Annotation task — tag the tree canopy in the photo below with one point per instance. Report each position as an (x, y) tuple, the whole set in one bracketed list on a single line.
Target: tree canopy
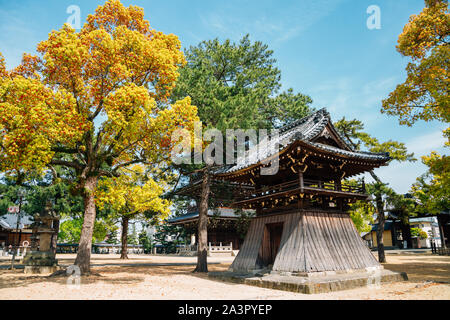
[(237, 85), (425, 93), (94, 101), (352, 131), (135, 194), (234, 86), (432, 189)]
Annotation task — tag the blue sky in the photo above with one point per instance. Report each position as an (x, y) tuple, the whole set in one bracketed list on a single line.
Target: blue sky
[(323, 48)]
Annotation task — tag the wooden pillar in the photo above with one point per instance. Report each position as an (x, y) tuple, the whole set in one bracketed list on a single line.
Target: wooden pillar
[(258, 209), (324, 202), (300, 178), (340, 204), (300, 202), (337, 185)]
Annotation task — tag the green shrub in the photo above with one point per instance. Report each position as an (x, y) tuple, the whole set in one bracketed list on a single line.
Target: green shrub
[(418, 233)]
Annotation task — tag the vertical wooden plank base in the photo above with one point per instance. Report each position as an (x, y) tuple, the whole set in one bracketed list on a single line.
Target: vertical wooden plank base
[(319, 251), (312, 241)]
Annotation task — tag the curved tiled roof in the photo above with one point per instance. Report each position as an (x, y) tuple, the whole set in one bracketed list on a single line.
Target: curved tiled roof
[(305, 130), (218, 212), (354, 154)]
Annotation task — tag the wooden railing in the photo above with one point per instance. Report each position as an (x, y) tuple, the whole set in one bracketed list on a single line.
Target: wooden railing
[(343, 186), (303, 185)]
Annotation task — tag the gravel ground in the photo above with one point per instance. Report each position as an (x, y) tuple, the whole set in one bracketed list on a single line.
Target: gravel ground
[(171, 277)]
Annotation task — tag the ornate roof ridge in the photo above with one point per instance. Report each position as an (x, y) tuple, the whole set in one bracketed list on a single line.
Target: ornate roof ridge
[(305, 129), (321, 112), (379, 155)]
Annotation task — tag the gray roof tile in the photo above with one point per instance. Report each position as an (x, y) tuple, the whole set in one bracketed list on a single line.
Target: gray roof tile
[(220, 212), (305, 129)]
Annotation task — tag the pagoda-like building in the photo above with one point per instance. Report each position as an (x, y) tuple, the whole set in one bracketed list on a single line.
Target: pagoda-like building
[(302, 226)]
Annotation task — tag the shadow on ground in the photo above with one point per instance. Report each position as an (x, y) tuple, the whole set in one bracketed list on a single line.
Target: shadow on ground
[(15, 279), (113, 273), (420, 268)]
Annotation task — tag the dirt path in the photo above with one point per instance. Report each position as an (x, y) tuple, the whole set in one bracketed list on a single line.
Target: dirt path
[(171, 277)]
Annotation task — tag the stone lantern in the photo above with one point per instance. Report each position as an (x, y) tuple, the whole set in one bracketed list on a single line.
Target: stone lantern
[(42, 259)]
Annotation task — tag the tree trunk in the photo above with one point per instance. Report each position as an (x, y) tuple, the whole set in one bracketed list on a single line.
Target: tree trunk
[(380, 231), (84, 248), (202, 251), (380, 212), (20, 234), (55, 236), (406, 234), (124, 252), (56, 223), (441, 230)]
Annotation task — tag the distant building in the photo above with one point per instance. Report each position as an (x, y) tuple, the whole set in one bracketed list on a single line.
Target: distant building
[(431, 227), (394, 236), (444, 226), (9, 235), (390, 235), (221, 226)]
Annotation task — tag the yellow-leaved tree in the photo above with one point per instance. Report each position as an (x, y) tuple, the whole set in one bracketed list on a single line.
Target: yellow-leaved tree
[(94, 101), (425, 93), (134, 194), (432, 189)]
